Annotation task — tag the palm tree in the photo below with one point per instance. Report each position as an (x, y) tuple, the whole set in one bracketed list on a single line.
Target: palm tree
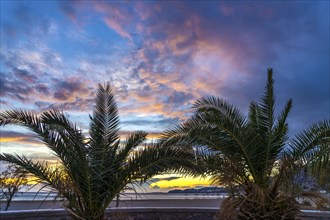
[(319, 168), (94, 169), (252, 155)]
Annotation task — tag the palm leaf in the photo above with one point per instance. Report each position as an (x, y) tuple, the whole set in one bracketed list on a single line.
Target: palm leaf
[(104, 127), (307, 146), (226, 129), (55, 131)]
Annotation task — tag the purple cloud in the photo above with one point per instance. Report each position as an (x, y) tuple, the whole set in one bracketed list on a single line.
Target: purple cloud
[(161, 56)]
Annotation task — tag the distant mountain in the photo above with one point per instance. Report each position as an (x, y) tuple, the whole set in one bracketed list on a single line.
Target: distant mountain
[(302, 179), (201, 190)]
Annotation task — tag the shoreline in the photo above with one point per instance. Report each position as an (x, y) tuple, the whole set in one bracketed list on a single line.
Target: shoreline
[(38, 205), (170, 213)]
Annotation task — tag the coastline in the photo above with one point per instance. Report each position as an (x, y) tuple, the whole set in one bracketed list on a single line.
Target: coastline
[(35, 205)]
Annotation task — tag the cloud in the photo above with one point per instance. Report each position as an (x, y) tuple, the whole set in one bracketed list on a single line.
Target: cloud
[(43, 89), (112, 23), (18, 137), (70, 94), (38, 79), (153, 123), (160, 57), (165, 55), (116, 16), (68, 89), (155, 180), (14, 92), (24, 75), (224, 52)]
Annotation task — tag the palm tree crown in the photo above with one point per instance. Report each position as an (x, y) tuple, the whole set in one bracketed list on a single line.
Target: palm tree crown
[(94, 168), (251, 152)]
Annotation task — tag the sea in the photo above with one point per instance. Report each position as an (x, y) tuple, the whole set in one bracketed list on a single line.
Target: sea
[(41, 196)]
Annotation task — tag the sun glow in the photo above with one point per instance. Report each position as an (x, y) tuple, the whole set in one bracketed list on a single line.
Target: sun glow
[(10, 139), (180, 182)]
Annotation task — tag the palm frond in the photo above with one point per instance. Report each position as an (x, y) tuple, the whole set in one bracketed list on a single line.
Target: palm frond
[(104, 126), (281, 132), (20, 117), (225, 126), (267, 105), (56, 120), (307, 146), (266, 117), (56, 132), (131, 143), (176, 136), (278, 140), (227, 113), (270, 137), (93, 172), (47, 175), (254, 116), (154, 159)]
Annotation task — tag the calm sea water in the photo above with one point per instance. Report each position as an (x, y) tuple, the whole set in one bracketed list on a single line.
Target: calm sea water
[(29, 196)]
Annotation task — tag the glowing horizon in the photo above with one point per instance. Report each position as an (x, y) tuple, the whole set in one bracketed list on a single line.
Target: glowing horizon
[(160, 57)]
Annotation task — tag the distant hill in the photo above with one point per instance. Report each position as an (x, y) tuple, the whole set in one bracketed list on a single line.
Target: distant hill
[(201, 190), (302, 179)]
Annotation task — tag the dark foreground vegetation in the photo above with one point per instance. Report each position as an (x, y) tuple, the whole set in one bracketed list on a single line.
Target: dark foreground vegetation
[(95, 168), (250, 155), (253, 156)]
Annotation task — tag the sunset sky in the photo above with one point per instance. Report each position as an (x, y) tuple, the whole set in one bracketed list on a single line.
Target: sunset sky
[(160, 56)]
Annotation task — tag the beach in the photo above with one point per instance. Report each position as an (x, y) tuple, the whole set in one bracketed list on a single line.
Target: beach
[(34, 205)]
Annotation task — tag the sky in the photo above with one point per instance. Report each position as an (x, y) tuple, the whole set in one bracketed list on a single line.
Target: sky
[(160, 56)]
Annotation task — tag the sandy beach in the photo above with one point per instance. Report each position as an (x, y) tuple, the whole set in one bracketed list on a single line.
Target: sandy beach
[(33, 205)]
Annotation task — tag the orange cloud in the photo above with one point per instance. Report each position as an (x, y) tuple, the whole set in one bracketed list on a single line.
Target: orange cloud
[(11, 139), (115, 25), (115, 17), (150, 136)]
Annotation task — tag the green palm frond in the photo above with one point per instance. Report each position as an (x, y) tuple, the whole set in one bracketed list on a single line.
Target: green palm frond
[(55, 131), (253, 152), (96, 168), (272, 136), (155, 159), (254, 116), (320, 167), (267, 107), (311, 149), (222, 111), (104, 127), (307, 146), (48, 176), (20, 117), (281, 132), (225, 126), (218, 164), (176, 136), (131, 143)]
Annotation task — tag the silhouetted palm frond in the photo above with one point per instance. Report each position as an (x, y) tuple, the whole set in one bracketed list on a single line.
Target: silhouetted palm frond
[(252, 155), (95, 168)]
